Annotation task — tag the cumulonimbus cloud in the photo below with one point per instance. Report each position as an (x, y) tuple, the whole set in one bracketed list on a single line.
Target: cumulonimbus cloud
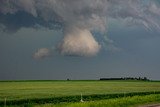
[(79, 42), (78, 18)]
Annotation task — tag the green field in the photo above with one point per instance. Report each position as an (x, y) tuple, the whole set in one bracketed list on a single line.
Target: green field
[(134, 101), (26, 90)]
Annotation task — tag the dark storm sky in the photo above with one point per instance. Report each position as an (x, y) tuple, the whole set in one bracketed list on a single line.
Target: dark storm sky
[(130, 48)]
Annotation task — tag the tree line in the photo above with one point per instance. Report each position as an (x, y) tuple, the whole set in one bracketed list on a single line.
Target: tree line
[(127, 78)]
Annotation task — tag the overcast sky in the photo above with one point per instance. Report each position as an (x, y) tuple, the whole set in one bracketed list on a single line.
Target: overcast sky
[(79, 39)]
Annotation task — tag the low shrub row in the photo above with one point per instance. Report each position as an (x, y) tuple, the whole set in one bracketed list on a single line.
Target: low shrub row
[(75, 98)]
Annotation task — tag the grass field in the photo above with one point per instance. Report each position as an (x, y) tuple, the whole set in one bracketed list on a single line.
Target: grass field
[(117, 102), (18, 90)]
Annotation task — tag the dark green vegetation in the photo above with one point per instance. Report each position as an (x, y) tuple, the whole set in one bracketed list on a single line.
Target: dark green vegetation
[(69, 99), (134, 101), (32, 92), (127, 78)]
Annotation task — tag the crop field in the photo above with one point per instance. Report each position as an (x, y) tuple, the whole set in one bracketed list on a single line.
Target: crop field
[(20, 92), (117, 102)]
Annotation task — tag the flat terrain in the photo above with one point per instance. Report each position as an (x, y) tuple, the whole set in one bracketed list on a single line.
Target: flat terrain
[(135, 101), (16, 90)]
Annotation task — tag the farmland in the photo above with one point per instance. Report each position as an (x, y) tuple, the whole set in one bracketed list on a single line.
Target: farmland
[(46, 90), (117, 102)]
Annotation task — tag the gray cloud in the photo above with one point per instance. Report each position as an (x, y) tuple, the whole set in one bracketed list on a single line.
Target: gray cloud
[(77, 16), (42, 53), (142, 12)]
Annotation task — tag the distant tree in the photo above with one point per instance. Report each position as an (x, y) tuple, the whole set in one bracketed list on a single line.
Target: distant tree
[(145, 79), (139, 78), (127, 78)]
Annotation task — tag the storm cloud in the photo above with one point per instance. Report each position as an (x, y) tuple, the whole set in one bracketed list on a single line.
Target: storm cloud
[(79, 42), (78, 19)]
